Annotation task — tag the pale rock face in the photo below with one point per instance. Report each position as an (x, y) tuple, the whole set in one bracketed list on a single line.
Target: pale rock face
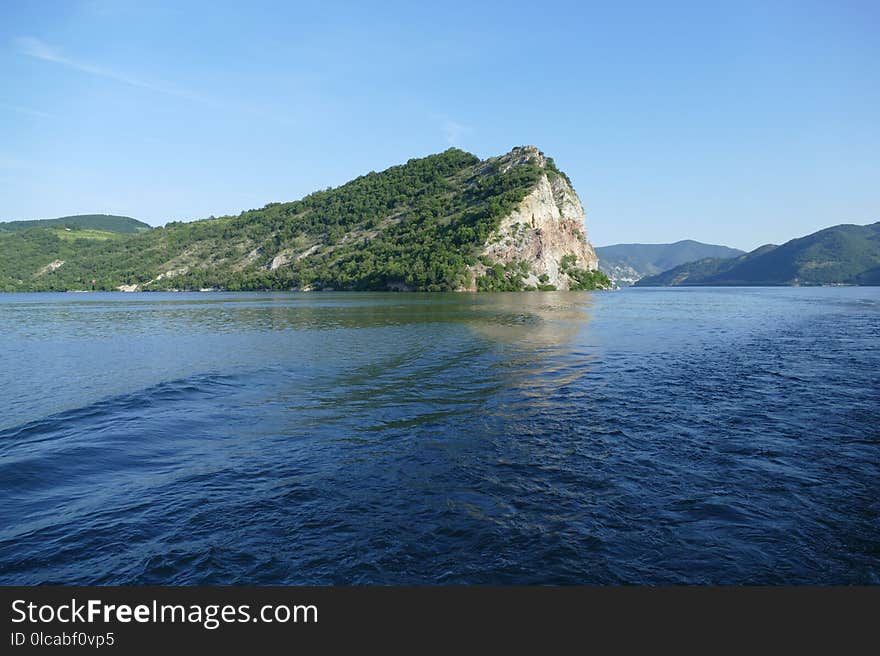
[(546, 226), (621, 275), (55, 264), (171, 273), (279, 261)]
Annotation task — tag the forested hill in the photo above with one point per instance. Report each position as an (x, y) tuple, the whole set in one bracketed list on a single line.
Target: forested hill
[(626, 263), (423, 225), (123, 225), (843, 254)]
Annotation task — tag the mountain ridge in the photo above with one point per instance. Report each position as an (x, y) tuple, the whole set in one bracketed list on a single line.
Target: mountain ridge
[(627, 263), (841, 254), (445, 222), (101, 222)]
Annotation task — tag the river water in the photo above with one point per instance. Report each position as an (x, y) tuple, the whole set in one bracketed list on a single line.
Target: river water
[(650, 436)]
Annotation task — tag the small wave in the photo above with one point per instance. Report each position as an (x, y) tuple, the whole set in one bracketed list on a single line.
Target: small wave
[(204, 385)]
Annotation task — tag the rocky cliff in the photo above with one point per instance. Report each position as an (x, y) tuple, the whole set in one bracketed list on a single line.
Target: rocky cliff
[(444, 222), (546, 231)]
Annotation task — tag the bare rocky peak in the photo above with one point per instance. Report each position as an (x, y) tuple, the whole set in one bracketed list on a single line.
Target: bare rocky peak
[(518, 156), (547, 226)]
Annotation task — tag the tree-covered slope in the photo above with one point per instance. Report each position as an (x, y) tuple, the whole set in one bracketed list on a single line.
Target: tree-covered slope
[(626, 263), (123, 225), (419, 226), (843, 254)]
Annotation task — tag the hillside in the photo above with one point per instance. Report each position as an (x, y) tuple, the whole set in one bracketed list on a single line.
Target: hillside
[(843, 254), (440, 223), (122, 225), (626, 263)]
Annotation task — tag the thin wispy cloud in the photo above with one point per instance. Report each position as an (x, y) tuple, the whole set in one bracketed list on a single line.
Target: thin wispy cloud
[(27, 111), (37, 49)]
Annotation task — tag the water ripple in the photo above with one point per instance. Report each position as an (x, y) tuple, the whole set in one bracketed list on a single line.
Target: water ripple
[(650, 436)]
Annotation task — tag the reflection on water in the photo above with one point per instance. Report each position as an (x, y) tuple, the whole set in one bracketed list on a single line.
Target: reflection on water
[(157, 312), (81, 348), (656, 436)]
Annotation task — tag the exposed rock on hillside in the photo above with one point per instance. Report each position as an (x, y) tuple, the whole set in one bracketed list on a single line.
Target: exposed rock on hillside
[(445, 222), (547, 226)]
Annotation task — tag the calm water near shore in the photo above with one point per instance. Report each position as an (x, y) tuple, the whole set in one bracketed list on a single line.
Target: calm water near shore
[(641, 436)]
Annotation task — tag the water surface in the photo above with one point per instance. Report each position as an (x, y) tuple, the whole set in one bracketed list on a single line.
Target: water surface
[(643, 436)]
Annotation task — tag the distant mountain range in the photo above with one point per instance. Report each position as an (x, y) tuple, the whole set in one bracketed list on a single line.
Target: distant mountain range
[(843, 254), (122, 225), (624, 264)]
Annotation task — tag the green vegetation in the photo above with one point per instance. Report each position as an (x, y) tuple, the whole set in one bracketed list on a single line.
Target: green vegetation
[(415, 226), (843, 254), (552, 170), (513, 277), (581, 279), (84, 233), (508, 277), (122, 225)]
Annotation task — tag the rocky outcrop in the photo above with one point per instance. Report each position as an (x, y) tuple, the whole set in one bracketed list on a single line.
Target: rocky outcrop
[(279, 261), (444, 222), (547, 226), (621, 275), (49, 268)]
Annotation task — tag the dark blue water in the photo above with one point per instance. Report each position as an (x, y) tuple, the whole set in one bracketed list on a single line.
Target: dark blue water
[(642, 436)]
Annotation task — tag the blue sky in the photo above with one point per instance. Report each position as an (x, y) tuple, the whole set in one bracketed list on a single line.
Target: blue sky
[(739, 123)]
